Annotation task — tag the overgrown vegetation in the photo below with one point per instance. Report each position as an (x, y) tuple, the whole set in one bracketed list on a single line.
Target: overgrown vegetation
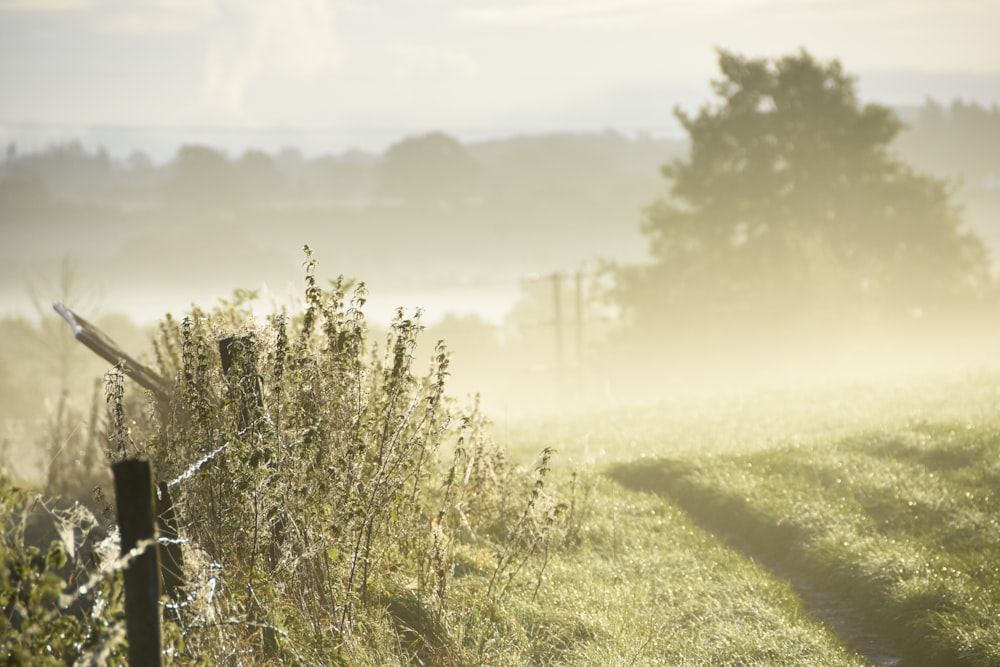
[(59, 606), (336, 505), (464, 557), (336, 483)]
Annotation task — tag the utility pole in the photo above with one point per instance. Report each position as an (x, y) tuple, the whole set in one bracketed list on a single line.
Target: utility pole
[(579, 319), (557, 317)]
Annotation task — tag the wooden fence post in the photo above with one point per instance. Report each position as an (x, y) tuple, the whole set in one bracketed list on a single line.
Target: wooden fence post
[(135, 503), (239, 365)]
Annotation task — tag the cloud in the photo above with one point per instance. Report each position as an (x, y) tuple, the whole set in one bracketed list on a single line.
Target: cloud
[(149, 11), (560, 11), (248, 48), (613, 13), (44, 5), (159, 17), (267, 40), (109, 16), (421, 60)]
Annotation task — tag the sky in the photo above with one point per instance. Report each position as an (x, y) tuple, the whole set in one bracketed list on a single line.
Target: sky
[(330, 74)]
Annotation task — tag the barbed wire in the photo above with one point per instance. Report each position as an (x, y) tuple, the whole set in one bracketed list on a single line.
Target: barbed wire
[(197, 465)]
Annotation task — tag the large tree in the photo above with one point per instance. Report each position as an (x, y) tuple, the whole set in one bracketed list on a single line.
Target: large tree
[(791, 204)]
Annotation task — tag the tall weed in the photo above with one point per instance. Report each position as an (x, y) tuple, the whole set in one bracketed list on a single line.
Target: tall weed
[(305, 462)]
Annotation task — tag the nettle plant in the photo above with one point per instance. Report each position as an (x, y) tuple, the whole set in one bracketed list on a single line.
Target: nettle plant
[(323, 485), (60, 593)]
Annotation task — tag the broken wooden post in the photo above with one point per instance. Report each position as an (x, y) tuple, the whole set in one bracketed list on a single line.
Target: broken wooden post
[(135, 502), (239, 365), (107, 349)]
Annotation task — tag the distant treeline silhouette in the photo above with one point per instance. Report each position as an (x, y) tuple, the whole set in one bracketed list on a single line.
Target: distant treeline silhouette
[(959, 141), (423, 168)]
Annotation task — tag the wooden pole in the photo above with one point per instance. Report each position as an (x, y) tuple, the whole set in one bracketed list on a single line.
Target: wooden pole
[(135, 503), (239, 365), (579, 319), (107, 349), (558, 324)]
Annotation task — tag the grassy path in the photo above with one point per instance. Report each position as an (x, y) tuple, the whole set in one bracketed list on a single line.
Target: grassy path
[(820, 597), (881, 498), (904, 523), (648, 587)]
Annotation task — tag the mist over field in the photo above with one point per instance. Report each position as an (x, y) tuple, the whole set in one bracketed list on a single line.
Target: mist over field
[(577, 332), (501, 168), (480, 236), (590, 231), (432, 217)]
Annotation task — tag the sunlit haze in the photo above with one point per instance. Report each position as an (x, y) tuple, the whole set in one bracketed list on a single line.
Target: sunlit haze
[(500, 332), (498, 165)]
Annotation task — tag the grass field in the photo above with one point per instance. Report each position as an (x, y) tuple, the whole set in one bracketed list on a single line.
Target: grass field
[(883, 495), (832, 526)]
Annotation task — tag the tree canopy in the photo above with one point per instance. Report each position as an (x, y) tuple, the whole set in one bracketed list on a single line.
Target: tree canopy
[(204, 178), (431, 167), (792, 204)]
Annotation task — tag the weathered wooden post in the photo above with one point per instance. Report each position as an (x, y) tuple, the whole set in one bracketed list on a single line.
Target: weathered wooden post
[(239, 365), (135, 503)]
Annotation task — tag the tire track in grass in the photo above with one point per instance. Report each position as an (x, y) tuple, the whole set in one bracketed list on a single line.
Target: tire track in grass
[(824, 602), (821, 599)]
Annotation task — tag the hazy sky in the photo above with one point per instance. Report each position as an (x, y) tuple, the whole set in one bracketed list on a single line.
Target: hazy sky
[(373, 70)]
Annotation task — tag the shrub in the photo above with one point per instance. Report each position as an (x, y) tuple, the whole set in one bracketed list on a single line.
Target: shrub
[(318, 520), (56, 607)]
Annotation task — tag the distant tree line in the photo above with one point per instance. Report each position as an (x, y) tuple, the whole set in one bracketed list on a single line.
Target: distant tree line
[(960, 141), (429, 168), (792, 212)]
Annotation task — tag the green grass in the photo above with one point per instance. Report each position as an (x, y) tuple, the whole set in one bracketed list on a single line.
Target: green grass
[(740, 422), (648, 587), (653, 587), (898, 508)]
